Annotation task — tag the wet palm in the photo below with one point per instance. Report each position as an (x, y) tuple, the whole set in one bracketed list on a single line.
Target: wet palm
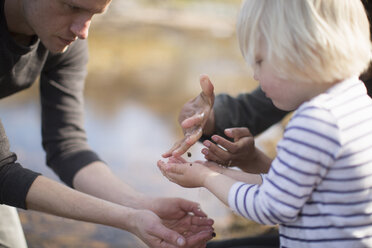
[(193, 118)]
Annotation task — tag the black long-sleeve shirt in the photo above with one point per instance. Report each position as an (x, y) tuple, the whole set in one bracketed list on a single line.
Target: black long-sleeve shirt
[(62, 79)]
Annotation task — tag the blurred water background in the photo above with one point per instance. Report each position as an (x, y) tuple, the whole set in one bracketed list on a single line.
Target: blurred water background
[(146, 57)]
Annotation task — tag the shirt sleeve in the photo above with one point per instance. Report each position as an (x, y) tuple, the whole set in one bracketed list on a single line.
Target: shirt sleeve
[(15, 181), (304, 156), (252, 110), (61, 91)]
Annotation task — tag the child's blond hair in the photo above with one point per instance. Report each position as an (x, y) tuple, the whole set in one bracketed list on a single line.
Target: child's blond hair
[(307, 40)]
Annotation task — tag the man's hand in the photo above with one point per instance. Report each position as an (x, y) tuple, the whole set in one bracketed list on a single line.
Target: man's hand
[(186, 218), (241, 152), (150, 229), (195, 116)]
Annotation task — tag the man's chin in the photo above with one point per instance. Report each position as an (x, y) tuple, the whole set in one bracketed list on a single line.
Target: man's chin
[(58, 50), (54, 46)]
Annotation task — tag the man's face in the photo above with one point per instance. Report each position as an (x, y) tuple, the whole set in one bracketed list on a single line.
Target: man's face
[(60, 22)]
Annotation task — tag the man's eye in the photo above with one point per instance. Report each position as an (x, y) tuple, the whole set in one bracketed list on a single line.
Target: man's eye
[(72, 7)]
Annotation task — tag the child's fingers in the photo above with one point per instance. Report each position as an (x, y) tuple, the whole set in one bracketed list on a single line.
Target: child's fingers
[(170, 168), (161, 166), (210, 156), (238, 133), (177, 160), (226, 144), (169, 175), (174, 160), (176, 169), (215, 153)]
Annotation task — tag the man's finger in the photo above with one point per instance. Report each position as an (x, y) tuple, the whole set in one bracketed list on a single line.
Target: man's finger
[(194, 207), (174, 147), (181, 149), (168, 153), (195, 229), (168, 236), (207, 88), (195, 120), (199, 239), (194, 137), (188, 142), (201, 221)]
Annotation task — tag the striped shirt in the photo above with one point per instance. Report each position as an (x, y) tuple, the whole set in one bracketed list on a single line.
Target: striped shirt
[(319, 187)]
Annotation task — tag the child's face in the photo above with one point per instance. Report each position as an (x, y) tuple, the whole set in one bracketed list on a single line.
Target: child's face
[(285, 94)]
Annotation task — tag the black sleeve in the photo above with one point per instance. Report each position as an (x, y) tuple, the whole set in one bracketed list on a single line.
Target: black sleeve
[(368, 82), (15, 181), (61, 91), (252, 110)]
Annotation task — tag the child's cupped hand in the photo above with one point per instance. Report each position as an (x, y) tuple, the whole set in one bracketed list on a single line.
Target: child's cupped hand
[(184, 173)]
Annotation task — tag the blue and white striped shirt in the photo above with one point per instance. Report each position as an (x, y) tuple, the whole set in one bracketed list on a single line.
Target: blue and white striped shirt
[(319, 187)]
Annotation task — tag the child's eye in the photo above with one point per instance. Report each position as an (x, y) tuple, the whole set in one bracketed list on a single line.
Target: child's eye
[(258, 62)]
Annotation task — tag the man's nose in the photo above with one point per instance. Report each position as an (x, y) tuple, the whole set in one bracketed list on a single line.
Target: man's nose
[(80, 27)]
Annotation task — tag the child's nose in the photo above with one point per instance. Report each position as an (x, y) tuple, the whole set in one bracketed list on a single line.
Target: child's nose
[(255, 75)]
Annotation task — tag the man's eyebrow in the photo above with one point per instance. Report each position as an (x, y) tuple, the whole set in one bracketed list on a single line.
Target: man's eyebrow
[(89, 9)]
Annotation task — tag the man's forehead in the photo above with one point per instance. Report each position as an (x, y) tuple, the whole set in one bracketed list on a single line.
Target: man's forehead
[(94, 6)]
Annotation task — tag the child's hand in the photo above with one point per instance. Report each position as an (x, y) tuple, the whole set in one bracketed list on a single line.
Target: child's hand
[(209, 164), (214, 166), (185, 174)]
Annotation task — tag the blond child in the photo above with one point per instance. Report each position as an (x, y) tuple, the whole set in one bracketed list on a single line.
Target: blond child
[(307, 56)]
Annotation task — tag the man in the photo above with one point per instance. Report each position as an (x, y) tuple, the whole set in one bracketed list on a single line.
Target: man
[(46, 39)]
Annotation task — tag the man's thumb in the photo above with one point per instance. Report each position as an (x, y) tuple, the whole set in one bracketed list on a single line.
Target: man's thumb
[(207, 86), (171, 236)]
